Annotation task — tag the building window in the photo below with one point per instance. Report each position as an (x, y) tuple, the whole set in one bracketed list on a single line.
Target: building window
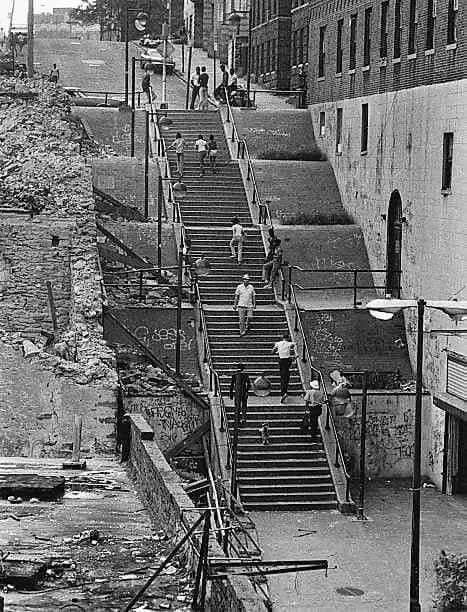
[(383, 45), (305, 43), (261, 63), (322, 54), (300, 46), (448, 140), (353, 42), (339, 131), (268, 56), (364, 131), (367, 38), (294, 48), (397, 29), (412, 47), (339, 52), (322, 123), (273, 54), (452, 18), (430, 24)]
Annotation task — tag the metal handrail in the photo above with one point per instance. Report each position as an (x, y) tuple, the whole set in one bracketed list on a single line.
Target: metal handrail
[(214, 378), (330, 422)]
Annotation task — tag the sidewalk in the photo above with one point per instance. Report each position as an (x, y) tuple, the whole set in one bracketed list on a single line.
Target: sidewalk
[(264, 101), (373, 556)]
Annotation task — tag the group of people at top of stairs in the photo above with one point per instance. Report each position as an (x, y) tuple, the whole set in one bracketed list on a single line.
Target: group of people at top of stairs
[(274, 256), (200, 89), (206, 149)]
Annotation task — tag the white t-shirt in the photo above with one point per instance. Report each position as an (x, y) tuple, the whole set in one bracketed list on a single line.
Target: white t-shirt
[(284, 349), (245, 295), (237, 231), (201, 145)]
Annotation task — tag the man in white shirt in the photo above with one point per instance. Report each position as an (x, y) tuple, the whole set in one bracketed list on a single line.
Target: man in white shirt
[(202, 147), (237, 240), (285, 350), (245, 303)]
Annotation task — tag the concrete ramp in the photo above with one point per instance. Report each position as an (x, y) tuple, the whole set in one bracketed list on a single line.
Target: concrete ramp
[(323, 248), (276, 130), (354, 340)]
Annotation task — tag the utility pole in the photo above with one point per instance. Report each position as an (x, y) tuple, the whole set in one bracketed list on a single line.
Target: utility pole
[(165, 34), (30, 39)]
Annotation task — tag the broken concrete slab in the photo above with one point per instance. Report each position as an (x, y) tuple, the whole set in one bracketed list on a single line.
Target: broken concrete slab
[(31, 485), (22, 573)]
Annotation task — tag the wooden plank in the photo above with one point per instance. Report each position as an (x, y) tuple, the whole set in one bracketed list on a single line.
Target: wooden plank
[(191, 439)]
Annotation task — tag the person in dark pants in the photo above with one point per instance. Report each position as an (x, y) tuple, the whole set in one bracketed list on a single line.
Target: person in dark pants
[(239, 387), (124, 437), (146, 85), (285, 350), (314, 400)]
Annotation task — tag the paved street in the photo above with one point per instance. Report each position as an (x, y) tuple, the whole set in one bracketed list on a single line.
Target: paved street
[(372, 556)]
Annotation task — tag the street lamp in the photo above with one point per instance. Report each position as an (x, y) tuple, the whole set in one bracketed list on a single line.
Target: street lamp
[(385, 310), (140, 22), (234, 20)]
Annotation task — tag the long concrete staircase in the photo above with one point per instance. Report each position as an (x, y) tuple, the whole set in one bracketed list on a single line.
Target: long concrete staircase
[(291, 472)]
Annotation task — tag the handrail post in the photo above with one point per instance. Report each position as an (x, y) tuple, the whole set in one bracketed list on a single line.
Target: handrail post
[(283, 287), (355, 272), (238, 148), (303, 351), (141, 275), (336, 462), (296, 320), (327, 426), (248, 174), (106, 98), (290, 284), (232, 136)]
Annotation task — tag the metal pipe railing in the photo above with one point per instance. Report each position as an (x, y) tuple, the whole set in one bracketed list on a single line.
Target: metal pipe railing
[(330, 423)]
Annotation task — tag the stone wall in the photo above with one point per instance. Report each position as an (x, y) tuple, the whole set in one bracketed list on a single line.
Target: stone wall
[(172, 415), (37, 410), (389, 434), (171, 507), (30, 258)]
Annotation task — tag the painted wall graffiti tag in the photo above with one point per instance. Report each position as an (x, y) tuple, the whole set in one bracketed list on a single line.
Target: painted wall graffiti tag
[(166, 336)]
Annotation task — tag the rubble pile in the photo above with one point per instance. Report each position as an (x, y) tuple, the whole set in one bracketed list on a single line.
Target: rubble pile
[(146, 380), (41, 171)]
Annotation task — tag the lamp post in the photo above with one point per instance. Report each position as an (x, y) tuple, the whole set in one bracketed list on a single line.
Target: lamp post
[(140, 23), (385, 310), (234, 20)]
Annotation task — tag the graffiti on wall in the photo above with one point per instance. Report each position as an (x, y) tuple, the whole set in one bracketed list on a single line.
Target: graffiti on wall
[(389, 440), (172, 416), (164, 336)]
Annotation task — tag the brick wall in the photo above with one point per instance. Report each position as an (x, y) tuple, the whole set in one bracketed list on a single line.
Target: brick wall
[(38, 406), (171, 414), (162, 490), (424, 67), (29, 260)]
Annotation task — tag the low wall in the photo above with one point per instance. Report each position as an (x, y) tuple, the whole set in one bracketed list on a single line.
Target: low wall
[(161, 489), (172, 415), (389, 434)]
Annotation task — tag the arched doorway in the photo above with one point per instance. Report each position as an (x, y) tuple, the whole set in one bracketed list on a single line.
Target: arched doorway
[(394, 245)]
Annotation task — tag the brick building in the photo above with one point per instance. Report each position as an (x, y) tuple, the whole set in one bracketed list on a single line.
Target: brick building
[(387, 94)]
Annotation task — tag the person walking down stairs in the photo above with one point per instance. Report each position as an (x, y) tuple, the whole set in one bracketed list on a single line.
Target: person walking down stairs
[(212, 150), (238, 236), (203, 90), (271, 267), (314, 400), (285, 350), (194, 82), (245, 304)]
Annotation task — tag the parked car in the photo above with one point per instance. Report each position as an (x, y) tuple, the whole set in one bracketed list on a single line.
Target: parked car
[(153, 59)]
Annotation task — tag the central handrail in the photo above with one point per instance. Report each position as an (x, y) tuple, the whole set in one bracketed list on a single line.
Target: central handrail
[(339, 460), (264, 213), (214, 378)]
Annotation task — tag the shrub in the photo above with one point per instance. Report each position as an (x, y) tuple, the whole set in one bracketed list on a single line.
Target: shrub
[(302, 153), (451, 581), (315, 218)]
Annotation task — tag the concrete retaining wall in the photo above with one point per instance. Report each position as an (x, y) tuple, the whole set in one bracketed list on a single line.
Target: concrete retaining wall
[(169, 505), (172, 415), (389, 434)]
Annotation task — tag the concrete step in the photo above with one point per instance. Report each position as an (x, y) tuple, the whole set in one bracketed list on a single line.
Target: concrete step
[(292, 506), (275, 490), (297, 471), (289, 480), (280, 500)]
